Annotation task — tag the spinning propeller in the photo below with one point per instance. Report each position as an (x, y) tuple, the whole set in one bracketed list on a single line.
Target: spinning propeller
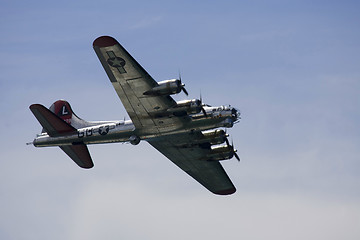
[(202, 106), (182, 85), (232, 148)]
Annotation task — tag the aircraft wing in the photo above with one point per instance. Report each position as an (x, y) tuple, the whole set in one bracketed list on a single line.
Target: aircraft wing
[(130, 81), (192, 159)]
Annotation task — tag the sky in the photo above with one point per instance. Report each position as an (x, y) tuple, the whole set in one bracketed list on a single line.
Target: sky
[(291, 67)]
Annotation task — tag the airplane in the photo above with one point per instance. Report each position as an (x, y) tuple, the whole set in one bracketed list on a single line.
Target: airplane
[(187, 132)]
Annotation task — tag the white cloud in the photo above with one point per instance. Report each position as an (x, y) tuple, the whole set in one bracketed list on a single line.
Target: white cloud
[(133, 211)]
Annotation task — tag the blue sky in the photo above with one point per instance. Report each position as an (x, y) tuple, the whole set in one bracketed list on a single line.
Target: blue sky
[(291, 67)]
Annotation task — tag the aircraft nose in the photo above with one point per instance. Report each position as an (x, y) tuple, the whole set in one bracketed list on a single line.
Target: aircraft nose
[(235, 113)]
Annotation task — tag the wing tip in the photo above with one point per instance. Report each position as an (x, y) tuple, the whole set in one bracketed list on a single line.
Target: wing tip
[(104, 41), (34, 106), (226, 191), (87, 165)]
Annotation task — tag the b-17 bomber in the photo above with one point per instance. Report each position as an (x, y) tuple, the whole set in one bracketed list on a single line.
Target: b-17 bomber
[(189, 133)]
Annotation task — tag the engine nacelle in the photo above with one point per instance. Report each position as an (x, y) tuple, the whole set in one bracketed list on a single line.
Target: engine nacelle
[(217, 136), (220, 152), (187, 107), (166, 87)]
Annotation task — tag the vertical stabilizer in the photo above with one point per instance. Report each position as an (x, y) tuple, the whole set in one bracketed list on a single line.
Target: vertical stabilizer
[(63, 110)]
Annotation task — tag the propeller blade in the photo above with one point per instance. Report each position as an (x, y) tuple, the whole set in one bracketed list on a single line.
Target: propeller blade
[(184, 90), (227, 141), (234, 150), (202, 106), (204, 112), (237, 156), (182, 85)]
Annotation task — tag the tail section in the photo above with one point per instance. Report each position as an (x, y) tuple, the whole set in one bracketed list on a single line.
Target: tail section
[(59, 121), (63, 110), (50, 122)]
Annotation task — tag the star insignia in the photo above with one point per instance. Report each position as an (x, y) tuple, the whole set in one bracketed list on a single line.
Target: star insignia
[(104, 130), (116, 62)]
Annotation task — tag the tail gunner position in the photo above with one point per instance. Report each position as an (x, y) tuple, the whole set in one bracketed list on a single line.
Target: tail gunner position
[(186, 132)]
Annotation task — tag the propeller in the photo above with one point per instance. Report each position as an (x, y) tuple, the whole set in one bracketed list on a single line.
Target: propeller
[(232, 148), (184, 90), (234, 151), (227, 141), (202, 106), (182, 85), (236, 156)]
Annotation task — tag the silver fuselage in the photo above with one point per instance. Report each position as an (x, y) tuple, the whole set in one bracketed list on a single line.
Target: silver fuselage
[(124, 131)]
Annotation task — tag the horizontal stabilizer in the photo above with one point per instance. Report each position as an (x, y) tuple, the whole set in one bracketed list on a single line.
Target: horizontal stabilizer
[(79, 153), (52, 124), (55, 126)]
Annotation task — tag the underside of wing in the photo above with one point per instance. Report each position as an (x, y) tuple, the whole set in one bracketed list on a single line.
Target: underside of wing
[(193, 160), (131, 81)]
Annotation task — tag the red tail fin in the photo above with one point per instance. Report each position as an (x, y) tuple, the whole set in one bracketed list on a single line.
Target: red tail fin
[(63, 110), (51, 123)]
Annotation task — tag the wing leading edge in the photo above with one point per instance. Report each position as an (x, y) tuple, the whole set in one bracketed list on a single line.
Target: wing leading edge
[(193, 161)]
